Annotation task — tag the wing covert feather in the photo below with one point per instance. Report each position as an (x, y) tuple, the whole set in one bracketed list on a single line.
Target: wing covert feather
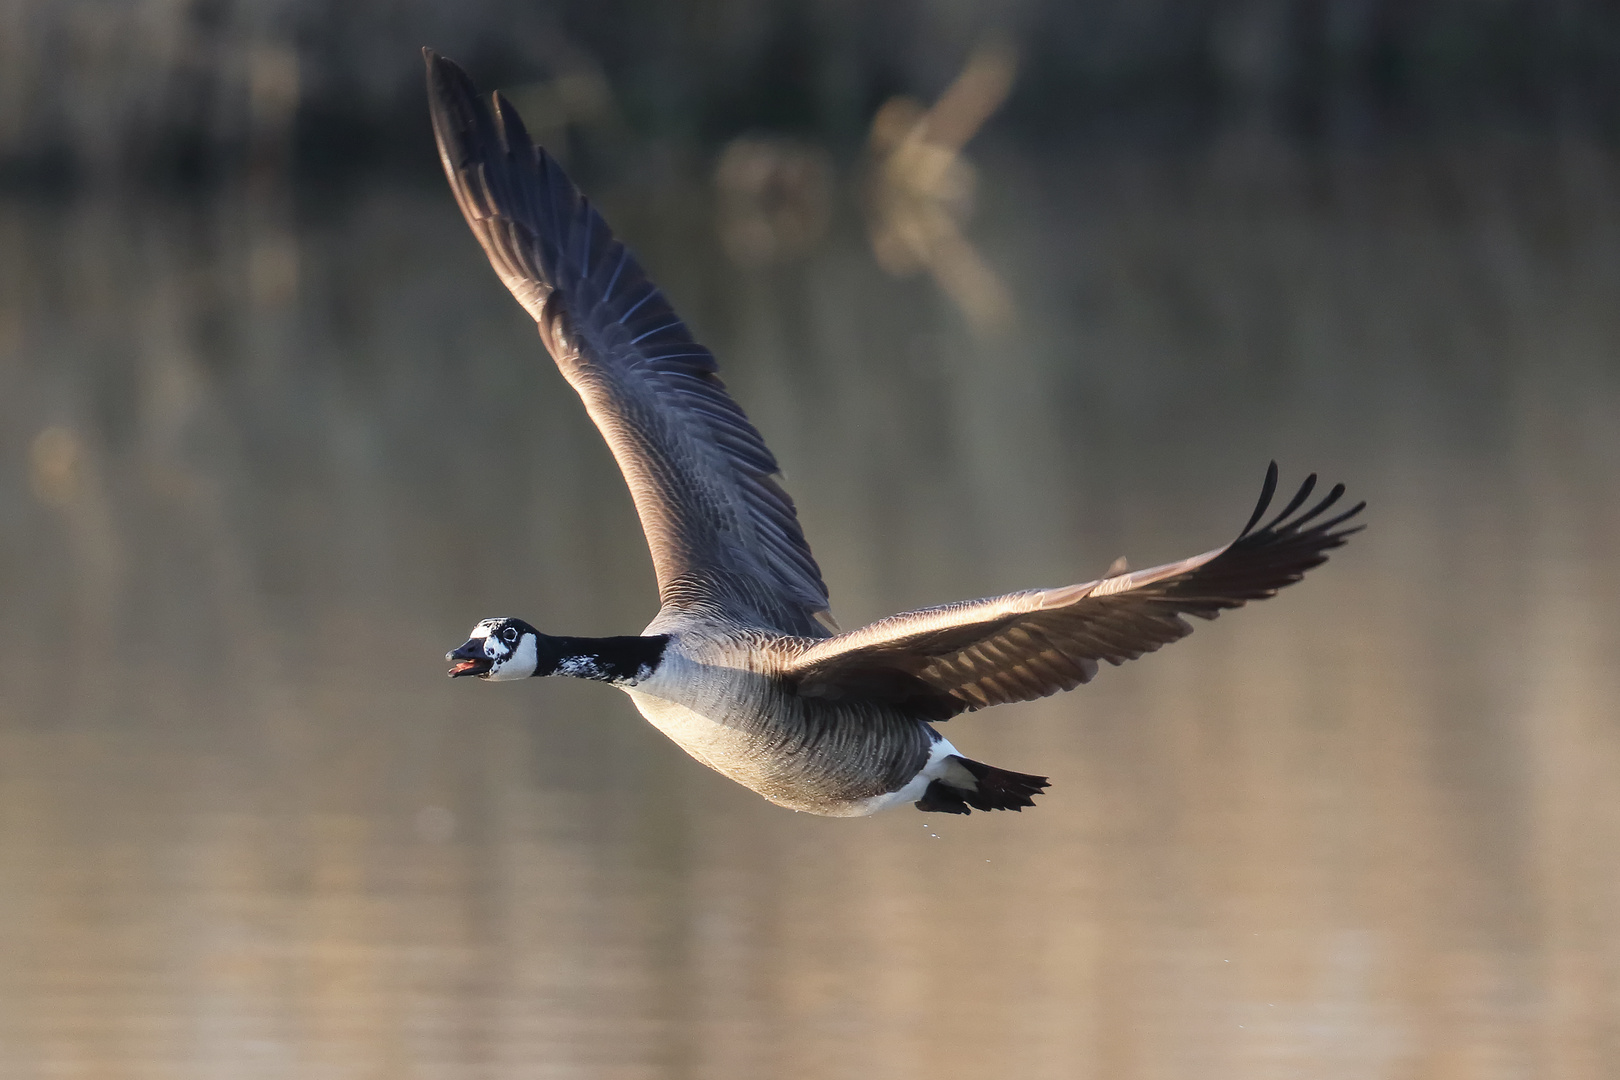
[(1030, 644), (723, 533)]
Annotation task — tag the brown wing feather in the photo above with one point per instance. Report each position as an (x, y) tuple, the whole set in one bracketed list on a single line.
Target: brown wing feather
[(1030, 644), (724, 535)]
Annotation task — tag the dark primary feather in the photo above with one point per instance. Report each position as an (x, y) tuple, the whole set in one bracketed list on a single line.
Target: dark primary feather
[(1030, 644), (723, 533)]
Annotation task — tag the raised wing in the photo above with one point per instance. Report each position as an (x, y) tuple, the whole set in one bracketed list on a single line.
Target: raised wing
[(1027, 645), (724, 535)]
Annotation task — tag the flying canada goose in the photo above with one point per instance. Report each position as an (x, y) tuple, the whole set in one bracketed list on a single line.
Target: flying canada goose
[(743, 667)]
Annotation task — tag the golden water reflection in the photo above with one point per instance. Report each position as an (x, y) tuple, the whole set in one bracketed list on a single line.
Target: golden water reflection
[(1367, 829)]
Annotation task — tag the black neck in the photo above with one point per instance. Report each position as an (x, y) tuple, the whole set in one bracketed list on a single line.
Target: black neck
[(605, 659)]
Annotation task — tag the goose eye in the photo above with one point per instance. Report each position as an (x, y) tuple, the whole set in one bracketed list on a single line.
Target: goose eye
[(510, 633)]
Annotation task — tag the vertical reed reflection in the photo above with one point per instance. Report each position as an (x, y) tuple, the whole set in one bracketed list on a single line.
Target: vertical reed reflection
[(248, 829)]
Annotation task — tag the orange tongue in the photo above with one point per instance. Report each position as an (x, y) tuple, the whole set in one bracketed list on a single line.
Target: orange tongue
[(465, 665)]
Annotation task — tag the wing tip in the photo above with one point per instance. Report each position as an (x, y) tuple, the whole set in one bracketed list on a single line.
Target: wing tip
[(442, 72), (453, 107), (464, 118), (1267, 491), (1288, 519)]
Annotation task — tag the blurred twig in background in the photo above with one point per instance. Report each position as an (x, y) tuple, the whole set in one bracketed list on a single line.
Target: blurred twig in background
[(56, 460), (107, 92), (920, 194), (775, 198)]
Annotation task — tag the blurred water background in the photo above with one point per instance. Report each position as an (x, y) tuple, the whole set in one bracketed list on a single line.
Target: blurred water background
[(272, 437)]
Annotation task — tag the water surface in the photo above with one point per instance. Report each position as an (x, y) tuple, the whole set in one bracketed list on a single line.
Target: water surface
[(261, 464)]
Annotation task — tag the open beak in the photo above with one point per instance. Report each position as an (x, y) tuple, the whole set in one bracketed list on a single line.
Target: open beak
[(470, 659)]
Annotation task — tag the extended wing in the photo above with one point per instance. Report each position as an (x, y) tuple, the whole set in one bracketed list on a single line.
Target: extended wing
[(724, 535), (1027, 645)]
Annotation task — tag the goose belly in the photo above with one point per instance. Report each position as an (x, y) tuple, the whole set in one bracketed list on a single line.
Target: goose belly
[(804, 762)]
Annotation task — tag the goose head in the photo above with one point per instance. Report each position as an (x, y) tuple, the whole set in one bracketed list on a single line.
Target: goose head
[(499, 649)]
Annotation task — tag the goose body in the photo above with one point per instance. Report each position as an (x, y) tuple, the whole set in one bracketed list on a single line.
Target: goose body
[(742, 667), (723, 701)]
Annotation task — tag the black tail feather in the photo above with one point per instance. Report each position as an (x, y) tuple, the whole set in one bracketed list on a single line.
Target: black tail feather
[(993, 789)]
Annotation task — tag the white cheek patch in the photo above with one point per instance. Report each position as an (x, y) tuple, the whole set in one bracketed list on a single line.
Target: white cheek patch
[(511, 665)]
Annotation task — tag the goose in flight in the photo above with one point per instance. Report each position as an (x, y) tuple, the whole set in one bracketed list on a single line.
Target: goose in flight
[(743, 667)]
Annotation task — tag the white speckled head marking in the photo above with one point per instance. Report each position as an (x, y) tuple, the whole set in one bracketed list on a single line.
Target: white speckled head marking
[(579, 667), (519, 662), (500, 650), (509, 648)]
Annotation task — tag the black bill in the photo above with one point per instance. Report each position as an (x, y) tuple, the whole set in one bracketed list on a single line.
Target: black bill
[(470, 659)]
